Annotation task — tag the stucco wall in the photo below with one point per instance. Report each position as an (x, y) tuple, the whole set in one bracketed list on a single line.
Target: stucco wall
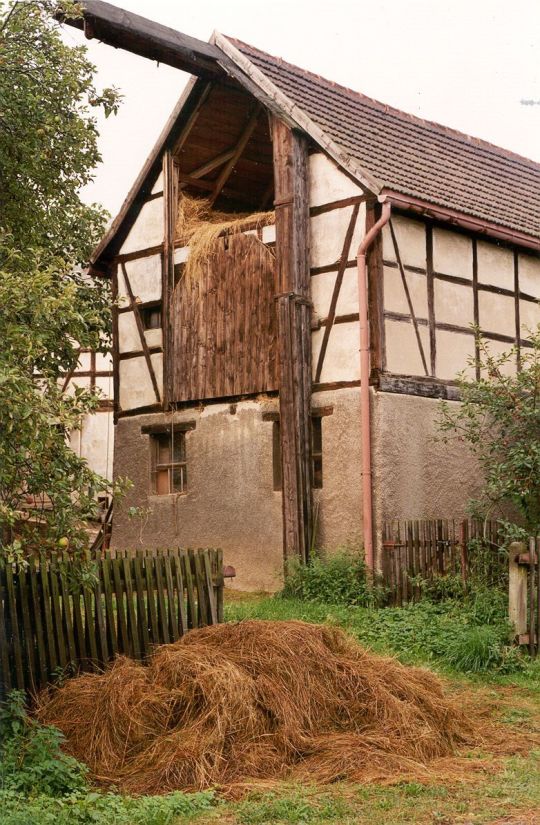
[(416, 476), (339, 501), (230, 501)]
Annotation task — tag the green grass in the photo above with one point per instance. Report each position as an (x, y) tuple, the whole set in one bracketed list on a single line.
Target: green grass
[(447, 636)]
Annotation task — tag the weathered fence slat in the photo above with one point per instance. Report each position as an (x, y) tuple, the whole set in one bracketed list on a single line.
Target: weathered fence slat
[(52, 620), (416, 551)]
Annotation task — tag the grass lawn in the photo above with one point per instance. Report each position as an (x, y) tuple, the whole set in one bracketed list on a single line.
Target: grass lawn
[(491, 787)]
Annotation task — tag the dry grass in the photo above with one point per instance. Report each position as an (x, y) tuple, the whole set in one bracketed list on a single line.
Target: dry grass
[(200, 227), (256, 701)]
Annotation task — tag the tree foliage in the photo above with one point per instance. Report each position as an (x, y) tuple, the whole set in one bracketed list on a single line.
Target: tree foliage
[(49, 307), (499, 418)]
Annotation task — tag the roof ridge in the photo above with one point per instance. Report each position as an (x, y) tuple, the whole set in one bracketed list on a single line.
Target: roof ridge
[(385, 107)]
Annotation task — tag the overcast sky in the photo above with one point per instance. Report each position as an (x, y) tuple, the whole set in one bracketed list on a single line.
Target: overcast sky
[(468, 64)]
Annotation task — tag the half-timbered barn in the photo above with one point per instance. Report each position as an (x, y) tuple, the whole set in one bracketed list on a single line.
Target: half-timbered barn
[(283, 395)]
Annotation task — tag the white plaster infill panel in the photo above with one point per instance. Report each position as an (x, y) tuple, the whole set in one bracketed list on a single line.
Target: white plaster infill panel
[(496, 313), (269, 233), (495, 265), (454, 353), (181, 254), (96, 442), (341, 361), (529, 317), (322, 288), (452, 253), (83, 364), (145, 278), (328, 235), (136, 388), (129, 339), (402, 350), (154, 337), (104, 361), (529, 274), (147, 231), (105, 386), (157, 362), (411, 241), (77, 381), (454, 303), (395, 299), (327, 183)]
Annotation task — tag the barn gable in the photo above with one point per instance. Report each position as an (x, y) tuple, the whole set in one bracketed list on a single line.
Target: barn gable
[(250, 368)]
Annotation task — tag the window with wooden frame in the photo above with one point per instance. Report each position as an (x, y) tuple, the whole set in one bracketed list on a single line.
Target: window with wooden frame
[(151, 315), (316, 450), (168, 462)]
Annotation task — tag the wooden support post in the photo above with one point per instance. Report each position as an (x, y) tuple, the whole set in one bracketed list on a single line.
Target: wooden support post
[(294, 324), (517, 590), (170, 208)]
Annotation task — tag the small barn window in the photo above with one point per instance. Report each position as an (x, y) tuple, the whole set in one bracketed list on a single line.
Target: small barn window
[(169, 472), (151, 316), (316, 453)]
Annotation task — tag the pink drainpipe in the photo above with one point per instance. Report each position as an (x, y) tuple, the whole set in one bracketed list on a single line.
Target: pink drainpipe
[(367, 493)]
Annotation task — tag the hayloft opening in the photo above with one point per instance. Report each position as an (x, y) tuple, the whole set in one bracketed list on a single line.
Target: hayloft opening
[(226, 158)]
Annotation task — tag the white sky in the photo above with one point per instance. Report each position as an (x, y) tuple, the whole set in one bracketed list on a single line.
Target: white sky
[(465, 63)]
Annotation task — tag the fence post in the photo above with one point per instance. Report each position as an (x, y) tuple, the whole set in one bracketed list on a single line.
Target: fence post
[(517, 590)]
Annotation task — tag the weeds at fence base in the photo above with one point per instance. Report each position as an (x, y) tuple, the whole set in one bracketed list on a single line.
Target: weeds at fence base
[(256, 700)]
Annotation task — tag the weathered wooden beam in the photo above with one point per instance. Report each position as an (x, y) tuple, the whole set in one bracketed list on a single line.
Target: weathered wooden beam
[(241, 145), (115, 343), (137, 34), (212, 164), (170, 208), (294, 311), (517, 590)]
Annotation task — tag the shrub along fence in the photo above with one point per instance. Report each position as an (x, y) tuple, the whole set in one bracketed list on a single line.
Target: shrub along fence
[(420, 551), (58, 617)]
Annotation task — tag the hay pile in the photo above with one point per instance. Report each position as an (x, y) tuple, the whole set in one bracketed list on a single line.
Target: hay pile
[(254, 700), (199, 227)]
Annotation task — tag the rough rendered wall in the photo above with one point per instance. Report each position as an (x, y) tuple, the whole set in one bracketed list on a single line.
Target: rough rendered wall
[(415, 476), (230, 502), (339, 522)]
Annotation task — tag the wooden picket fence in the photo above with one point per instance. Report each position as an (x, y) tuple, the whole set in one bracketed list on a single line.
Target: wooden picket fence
[(416, 551), (56, 619)]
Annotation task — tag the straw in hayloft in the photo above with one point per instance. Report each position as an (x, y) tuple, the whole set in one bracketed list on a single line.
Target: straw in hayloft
[(200, 226), (255, 700)]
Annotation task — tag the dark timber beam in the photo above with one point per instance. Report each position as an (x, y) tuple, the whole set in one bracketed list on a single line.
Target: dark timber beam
[(125, 30), (294, 316)]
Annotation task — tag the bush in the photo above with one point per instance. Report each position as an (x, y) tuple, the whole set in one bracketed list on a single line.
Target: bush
[(31, 758), (41, 785), (338, 579), (91, 808)]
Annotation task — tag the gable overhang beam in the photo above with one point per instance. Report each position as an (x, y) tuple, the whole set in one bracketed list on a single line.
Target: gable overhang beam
[(134, 33), (456, 218)]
